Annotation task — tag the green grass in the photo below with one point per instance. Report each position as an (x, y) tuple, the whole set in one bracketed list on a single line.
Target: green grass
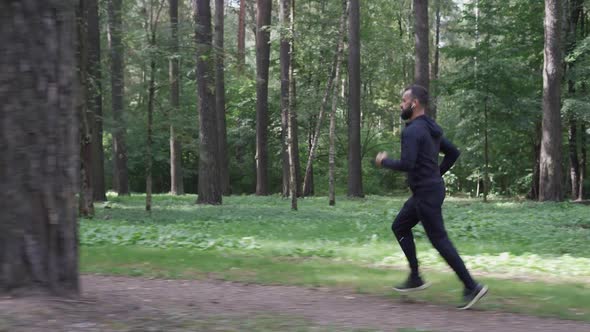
[(260, 239)]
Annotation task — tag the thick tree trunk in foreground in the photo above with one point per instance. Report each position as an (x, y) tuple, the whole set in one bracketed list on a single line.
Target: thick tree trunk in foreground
[(39, 140)]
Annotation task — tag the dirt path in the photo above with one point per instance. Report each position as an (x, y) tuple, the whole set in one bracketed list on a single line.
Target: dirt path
[(136, 304)]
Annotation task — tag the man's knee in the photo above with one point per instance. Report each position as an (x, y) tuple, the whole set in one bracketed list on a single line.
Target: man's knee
[(398, 228)]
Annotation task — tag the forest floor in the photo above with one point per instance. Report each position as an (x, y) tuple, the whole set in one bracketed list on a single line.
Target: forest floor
[(111, 303)]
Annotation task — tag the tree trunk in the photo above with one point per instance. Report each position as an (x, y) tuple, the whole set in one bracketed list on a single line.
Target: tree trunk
[(355, 180), (40, 144), (293, 107), (286, 104), (332, 151), (263, 18), (435, 67), (486, 153), (152, 24), (220, 98), (176, 178), (582, 162), (285, 59), (94, 99), (85, 201), (242, 37), (284, 145), (209, 180), (421, 65), (550, 186), (329, 89), (151, 95), (534, 192), (309, 190), (117, 92), (573, 153), (571, 39)]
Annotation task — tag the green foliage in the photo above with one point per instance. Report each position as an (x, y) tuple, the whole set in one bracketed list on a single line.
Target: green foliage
[(490, 62)]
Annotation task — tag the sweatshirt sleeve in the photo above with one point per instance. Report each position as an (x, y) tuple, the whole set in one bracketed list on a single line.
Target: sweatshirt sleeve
[(407, 162), (451, 155)]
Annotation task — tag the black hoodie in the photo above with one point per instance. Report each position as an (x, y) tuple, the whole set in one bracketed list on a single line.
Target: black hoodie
[(422, 140)]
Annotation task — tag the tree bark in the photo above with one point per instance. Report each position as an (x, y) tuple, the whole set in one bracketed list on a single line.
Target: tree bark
[(571, 39), (332, 151), (309, 190), (40, 144), (149, 142), (550, 186), (117, 93), (242, 37), (285, 62), (573, 154), (293, 107), (329, 89), (263, 20), (286, 104), (152, 23), (176, 178), (536, 144), (435, 67), (209, 181), (355, 181), (220, 98), (421, 66), (85, 201), (94, 99), (582, 161), (486, 153)]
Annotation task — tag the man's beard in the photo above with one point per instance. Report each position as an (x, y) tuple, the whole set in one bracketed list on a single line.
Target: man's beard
[(407, 113)]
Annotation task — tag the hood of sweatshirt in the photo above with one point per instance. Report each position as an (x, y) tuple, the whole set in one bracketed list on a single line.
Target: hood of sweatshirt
[(434, 129)]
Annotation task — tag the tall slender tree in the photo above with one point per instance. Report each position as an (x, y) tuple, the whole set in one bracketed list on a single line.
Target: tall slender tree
[(436, 64), (263, 20), (94, 98), (152, 25), (209, 191), (293, 107), (176, 178), (574, 15), (355, 181), (332, 150), (328, 90), (242, 36), (550, 186), (286, 104), (40, 144), (421, 69), (220, 98), (86, 195), (285, 61), (117, 91)]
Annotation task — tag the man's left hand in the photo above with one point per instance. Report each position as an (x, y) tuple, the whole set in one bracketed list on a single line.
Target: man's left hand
[(379, 159)]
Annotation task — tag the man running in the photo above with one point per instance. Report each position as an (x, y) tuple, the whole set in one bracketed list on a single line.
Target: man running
[(422, 140)]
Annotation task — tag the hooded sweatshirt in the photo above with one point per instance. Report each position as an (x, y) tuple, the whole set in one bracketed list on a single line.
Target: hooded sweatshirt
[(422, 140)]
